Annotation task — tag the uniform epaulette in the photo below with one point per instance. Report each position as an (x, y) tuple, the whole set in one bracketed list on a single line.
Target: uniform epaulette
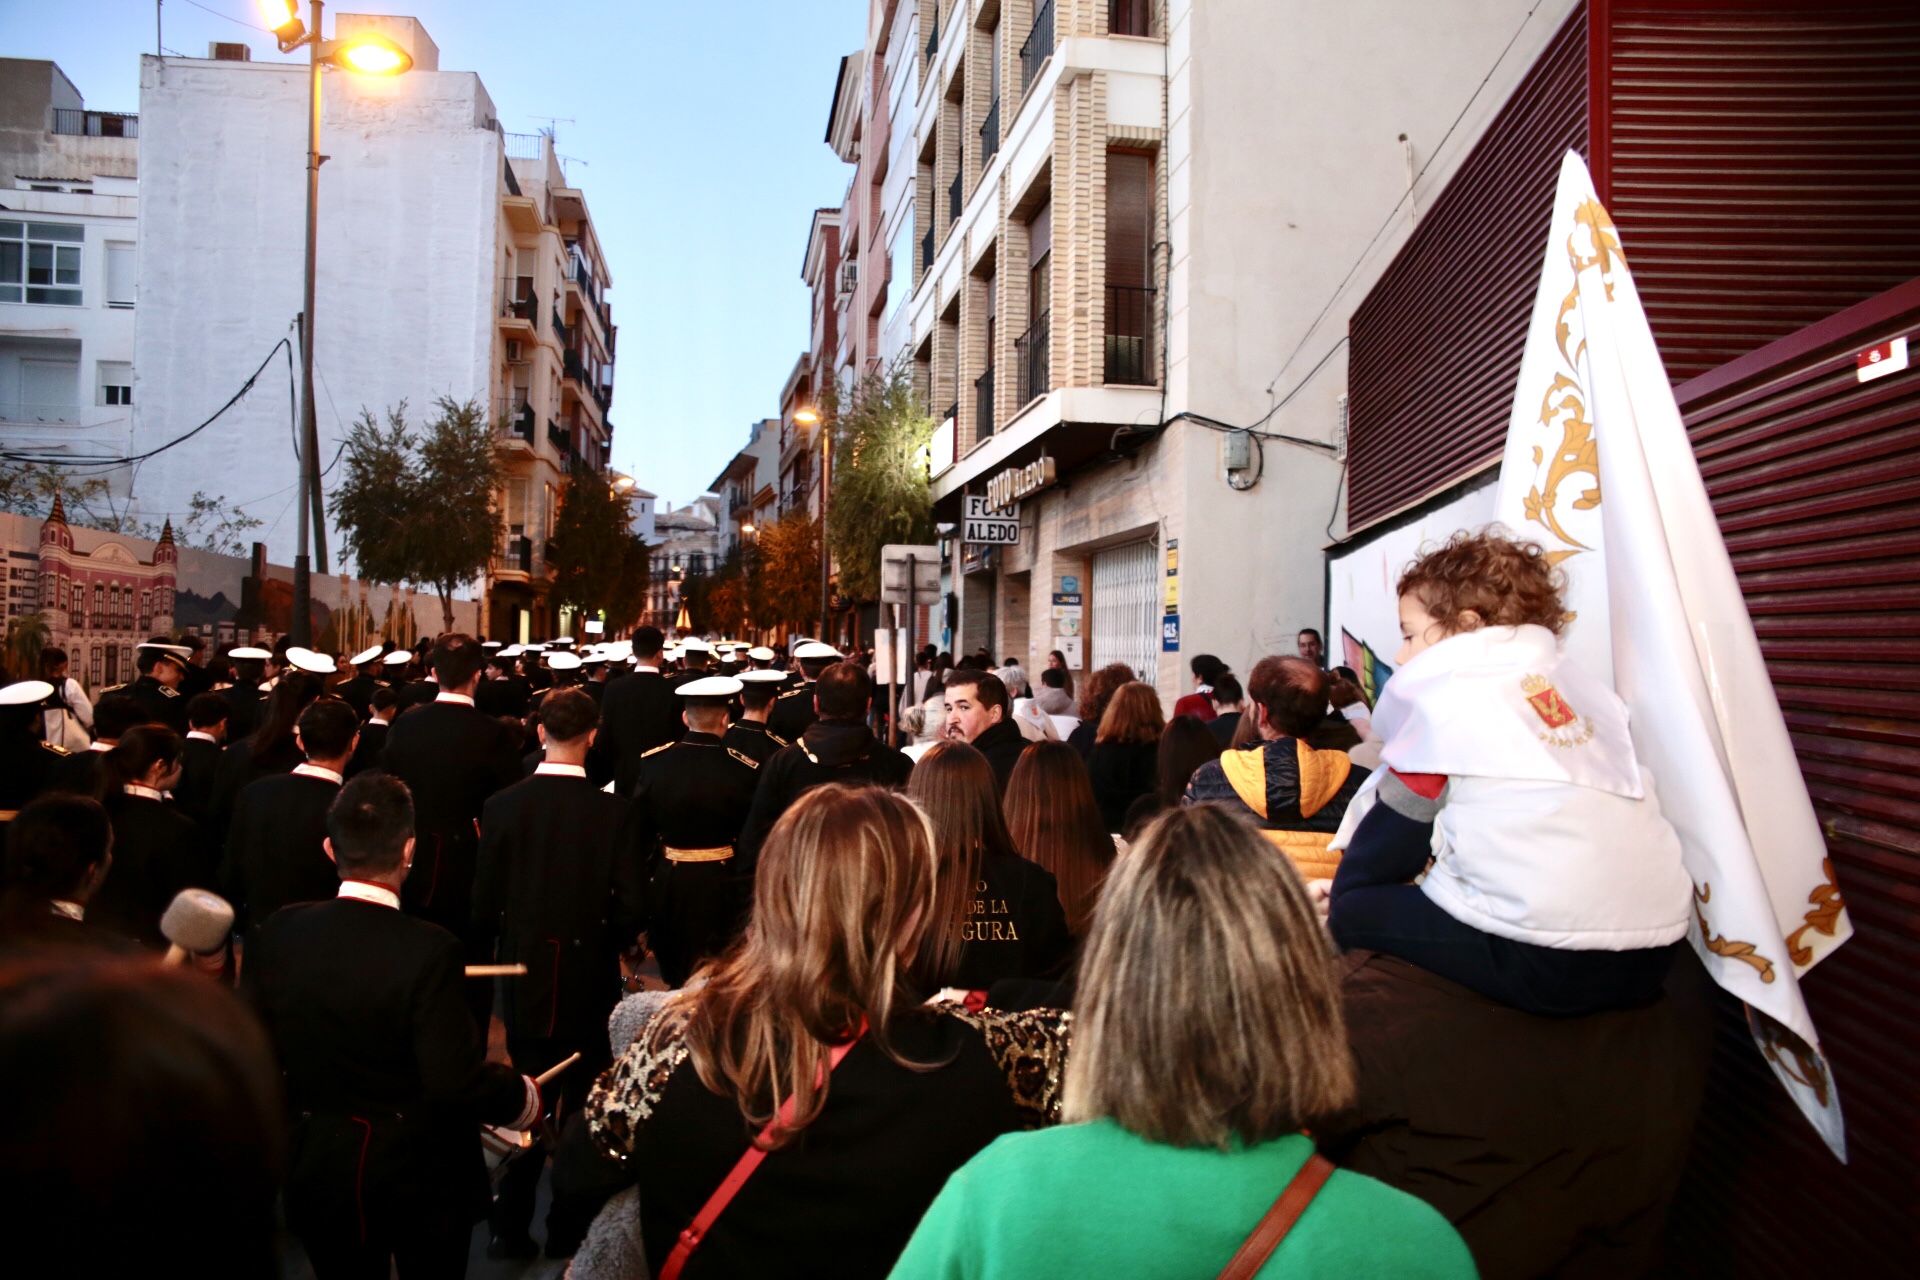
[(654, 751), (56, 749), (743, 758), (793, 692), (168, 691), (113, 688), (777, 738)]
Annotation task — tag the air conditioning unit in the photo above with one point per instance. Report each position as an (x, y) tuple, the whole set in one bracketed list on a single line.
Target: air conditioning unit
[(514, 352), (849, 276), (223, 51)]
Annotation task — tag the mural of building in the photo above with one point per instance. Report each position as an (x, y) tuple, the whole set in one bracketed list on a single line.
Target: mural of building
[(99, 604)]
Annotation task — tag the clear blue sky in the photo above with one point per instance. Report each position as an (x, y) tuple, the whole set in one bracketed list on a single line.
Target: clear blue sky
[(699, 125)]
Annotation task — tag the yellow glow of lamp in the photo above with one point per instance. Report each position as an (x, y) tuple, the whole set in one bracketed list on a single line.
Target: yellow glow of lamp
[(369, 54), (283, 19), (806, 417)]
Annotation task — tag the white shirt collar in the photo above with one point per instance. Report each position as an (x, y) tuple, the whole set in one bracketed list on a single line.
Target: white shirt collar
[(444, 696), (315, 771), (71, 910), (377, 718), (644, 667), (560, 770), (198, 735), (99, 746), (367, 891), (146, 793)]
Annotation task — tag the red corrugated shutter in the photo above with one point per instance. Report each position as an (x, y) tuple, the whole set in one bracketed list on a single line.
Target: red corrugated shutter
[(1436, 345), (1759, 160), (1815, 478)]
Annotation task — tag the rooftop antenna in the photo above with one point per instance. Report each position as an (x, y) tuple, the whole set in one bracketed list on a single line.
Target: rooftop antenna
[(553, 124)]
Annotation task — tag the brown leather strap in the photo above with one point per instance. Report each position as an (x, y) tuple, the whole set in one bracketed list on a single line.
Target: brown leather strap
[(1286, 1211)]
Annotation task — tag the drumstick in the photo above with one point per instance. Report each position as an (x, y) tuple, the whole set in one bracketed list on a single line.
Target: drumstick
[(496, 970), (555, 1069)]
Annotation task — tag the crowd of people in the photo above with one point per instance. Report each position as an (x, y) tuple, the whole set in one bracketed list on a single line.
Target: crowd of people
[(356, 950)]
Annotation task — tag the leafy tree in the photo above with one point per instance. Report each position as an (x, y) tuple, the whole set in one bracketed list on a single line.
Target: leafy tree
[(208, 524), (789, 578), (420, 508), (211, 525), (598, 565), (881, 435)]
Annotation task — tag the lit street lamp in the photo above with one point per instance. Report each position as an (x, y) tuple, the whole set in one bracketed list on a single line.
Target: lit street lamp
[(370, 54)]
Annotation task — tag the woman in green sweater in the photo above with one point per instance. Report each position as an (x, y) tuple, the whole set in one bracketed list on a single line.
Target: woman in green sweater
[(1208, 1035)]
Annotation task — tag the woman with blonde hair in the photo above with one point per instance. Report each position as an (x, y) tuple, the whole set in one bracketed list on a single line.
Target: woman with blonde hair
[(1187, 1098), (1125, 758), (995, 914), (799, 1109)]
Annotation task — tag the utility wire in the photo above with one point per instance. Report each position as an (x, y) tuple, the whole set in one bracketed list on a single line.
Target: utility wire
[(229, 17)]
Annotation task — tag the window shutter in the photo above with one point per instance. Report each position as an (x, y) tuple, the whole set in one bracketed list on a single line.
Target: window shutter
[(1129, 217), (120, 275)]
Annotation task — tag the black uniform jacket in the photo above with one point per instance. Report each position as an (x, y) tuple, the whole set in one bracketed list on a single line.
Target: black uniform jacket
[(753, 738), (792, 711), (829, 751), (366, 752), (82, 773), (694, 795), (157, 852), (199, 763), (386, 1076), (637, 713), (558, 889), (503, 697), (359, 693), (163, 705), (274, 854), (452, 757), (243, 708)]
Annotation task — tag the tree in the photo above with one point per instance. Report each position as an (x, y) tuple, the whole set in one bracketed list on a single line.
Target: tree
[(881, 437), (420, 508), (208, 524), (27, 635), (789, 579), (598, 565)]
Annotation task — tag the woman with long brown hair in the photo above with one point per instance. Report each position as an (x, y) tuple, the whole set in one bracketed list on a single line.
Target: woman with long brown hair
[(1054, 821), (995, 914), (1208, 1035), (1095, 693), (809, 1029), (1126, 752)]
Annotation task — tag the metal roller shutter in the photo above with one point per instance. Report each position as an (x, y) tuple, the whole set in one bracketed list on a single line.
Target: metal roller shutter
[(1125, 608), (1815, 478)]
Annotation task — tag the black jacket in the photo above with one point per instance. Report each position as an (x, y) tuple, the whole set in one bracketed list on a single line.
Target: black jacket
[(1082, 738), (358, 693), (199, 764), (157, 852), (693, 794), (163, 705), (386, 1076), (1122, 772), (452, 757), (558, 889), (366, 753), (509, 696), (829, 751), (244, 708), (238, 767), (1016, 929), (637, 713), (274, 854), (793, 711), (753, 738), (1002, 745), (1224, 726)]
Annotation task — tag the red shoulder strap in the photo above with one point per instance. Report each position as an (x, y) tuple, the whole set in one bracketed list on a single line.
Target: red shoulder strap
[(696, 1231), (1279, 1220)]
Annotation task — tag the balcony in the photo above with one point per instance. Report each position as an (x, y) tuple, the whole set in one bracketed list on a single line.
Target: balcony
[(1039, 46), (990, 133), (95, 124), (521, 425), (1033, 360), (561, 331), (562, 441), (1129, 359), (518, 314), (1129, 18), (574, 366), (983, 405), (926, 251), (515, 557), (954, 202), (513, 183)]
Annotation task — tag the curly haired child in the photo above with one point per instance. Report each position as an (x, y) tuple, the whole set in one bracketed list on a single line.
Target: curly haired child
[(1555, 885)]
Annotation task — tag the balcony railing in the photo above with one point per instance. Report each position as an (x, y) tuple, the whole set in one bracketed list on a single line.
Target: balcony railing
[(524, 308), (1039, 46), (513, 183), (518, 555), (926, 250), (933, 34), (522, 423), (990, 132), (983, 405), (522, 146), (1130, 336), (560, 329), (954, 201), (561, 440), (95, 124), (1129, 18), (574, 366), (1032, 359)]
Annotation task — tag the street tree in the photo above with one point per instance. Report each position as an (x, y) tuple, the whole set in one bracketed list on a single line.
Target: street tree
[(881, 437), (598, 565), (788, 583)]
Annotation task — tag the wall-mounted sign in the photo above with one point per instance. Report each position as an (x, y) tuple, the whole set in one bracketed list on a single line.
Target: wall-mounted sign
[(1016, 483), (979, 528), (1170, 633), (1173, 583)]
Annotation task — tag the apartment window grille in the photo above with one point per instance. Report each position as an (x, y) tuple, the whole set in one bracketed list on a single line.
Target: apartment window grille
[(40, 263), (1126, 608)]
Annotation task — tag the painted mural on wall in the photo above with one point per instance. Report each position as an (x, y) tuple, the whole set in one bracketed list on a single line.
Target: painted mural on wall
[(99, 594)]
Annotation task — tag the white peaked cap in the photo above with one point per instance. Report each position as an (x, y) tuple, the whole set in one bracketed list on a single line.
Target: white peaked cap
[(563, 661), (397, 658), (250, 653), (763, 677), (364, 656), (307, 660), (22, 692), (815, 649), (709, 687), (760, 653)]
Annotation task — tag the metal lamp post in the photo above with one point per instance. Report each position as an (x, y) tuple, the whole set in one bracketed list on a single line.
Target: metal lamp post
[(371, 54)]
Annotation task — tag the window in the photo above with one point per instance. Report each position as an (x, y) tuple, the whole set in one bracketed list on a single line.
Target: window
[(116, 382), (120, 273), (40, 262), (1126, 608)]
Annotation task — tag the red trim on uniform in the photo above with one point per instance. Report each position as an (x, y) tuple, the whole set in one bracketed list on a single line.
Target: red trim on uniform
[(360, 1176)]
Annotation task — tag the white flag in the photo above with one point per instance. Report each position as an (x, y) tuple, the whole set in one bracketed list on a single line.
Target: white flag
[(1598, 470)]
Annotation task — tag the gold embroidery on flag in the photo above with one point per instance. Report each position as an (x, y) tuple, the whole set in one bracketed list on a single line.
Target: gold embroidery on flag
[(1744, 952), (1823, 916), (1807, 1068)]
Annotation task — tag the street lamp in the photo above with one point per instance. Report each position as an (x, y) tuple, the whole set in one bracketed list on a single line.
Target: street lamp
[(807, 417), (368, 53)]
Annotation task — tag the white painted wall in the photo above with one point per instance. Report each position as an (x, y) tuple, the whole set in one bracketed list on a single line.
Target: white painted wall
[(407, 252)]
